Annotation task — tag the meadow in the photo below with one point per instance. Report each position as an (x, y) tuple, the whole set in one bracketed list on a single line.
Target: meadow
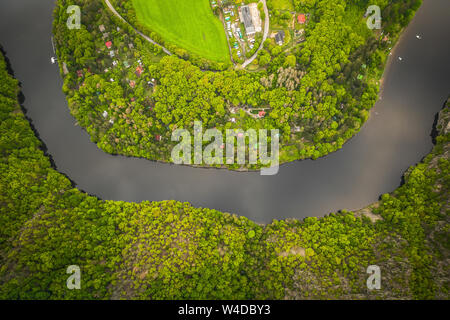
[(283, 4), (190, 24)]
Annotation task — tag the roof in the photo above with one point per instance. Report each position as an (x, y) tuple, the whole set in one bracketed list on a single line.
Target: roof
[(108, 44), (248, 23), (262, 113), (279, 37), (301, 18)]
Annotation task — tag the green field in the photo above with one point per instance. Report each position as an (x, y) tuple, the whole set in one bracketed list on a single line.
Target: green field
[(283, 4), (190, 24)]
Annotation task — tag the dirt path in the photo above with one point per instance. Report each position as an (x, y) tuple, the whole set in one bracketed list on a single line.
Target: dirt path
[(110, 6)]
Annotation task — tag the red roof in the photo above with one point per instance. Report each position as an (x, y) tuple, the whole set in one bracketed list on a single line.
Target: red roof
[(301, 18), (108, 44), (139, 70), (132, 83), (158, 137), (262, 113)]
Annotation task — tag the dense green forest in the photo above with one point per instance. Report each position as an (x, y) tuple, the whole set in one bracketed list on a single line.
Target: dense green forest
[(130, 96), (171, 250)]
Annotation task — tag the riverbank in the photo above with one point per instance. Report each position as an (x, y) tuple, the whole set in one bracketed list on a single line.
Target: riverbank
[(369, 165), (47, 225)]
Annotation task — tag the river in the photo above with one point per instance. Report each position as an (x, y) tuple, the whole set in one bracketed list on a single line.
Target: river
[(396, 136)]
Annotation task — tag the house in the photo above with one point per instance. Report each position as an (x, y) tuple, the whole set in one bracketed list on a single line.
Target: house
[(158, 137), (139, 70), (102, 28), (279, 38), (301, 18), (256, 19), (246, 19), (112, 54), (79, 73), (261, 114), (132, 83), (108, 44)]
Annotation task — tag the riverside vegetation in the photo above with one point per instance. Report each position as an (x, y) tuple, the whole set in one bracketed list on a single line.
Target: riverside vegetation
[(131, 96), (171, 250)]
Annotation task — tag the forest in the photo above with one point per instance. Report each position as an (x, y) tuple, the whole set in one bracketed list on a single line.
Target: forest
[(171, 250), (130, 96)]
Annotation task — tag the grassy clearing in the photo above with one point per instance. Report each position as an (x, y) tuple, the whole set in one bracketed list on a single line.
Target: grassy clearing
[(283, 4), (190, 24)]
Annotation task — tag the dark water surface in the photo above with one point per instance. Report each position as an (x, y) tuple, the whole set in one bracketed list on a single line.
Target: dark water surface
[(396, 136)]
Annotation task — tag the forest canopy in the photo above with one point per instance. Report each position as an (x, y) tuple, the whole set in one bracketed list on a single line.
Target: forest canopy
[(171, 250), (317, 90)]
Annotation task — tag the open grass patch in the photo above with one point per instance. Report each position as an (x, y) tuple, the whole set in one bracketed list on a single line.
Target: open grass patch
[(283, 4), (190, 24)]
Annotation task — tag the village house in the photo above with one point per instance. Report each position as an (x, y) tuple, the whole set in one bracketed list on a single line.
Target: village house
[(279, 38), (246, 19), (254, 12), (139, 70), (301, 18)]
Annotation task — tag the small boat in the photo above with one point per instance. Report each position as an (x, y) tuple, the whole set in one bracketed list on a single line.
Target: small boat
[(400, 58), (418, 36), (53, 60)]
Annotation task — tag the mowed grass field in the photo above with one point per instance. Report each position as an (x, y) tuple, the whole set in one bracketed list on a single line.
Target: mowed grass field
[(283, 4), (190, 24)]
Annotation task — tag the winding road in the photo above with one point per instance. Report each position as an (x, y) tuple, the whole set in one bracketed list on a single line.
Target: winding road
[(396, 136)]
